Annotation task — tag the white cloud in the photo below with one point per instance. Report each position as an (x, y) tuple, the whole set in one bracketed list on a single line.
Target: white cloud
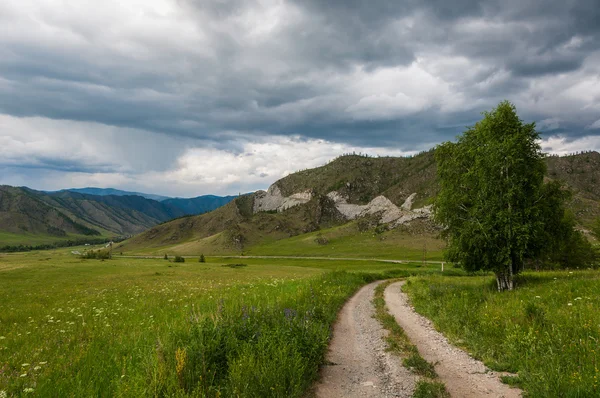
[(55, 154), (560, 145), (67, 144)]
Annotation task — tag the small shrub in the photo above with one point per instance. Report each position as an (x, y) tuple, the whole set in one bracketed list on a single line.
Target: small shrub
[(321, 240), (97, 254), (179, 259), (166, 257), (419, 365), (202, 259), (381, 229), (429, 389), (234, 265)]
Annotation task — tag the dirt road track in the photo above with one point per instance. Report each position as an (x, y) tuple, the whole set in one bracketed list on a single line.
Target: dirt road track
[(359, 365), (463, 376)]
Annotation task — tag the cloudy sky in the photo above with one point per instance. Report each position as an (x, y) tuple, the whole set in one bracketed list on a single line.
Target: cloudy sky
[(189, 97)]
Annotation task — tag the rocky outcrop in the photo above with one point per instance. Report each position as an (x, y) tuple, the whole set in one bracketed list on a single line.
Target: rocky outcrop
[(408, 203), (388, 212), (273, 200)]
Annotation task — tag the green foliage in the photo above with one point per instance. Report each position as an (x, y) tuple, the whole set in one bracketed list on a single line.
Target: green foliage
[(546, 331), (101, 254), (202, 259), (166, 257), (430, 389), (491, 184), (596, 229), (56, 245), (179, 259), (236, 265)]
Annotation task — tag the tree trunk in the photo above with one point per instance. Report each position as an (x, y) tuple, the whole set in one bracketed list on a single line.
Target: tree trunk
[(505, 279)]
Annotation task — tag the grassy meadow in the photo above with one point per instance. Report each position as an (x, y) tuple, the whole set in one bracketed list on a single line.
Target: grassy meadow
[(139, 327), (134, 327), (547, 331), (345, 241)]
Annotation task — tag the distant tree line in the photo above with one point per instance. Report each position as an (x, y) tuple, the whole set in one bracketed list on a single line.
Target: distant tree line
[(56, 245)]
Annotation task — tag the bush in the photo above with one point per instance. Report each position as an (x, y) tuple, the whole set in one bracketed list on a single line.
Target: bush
[(179, 259), (321, 240), (97, 254), (166, 257), (202, 259)]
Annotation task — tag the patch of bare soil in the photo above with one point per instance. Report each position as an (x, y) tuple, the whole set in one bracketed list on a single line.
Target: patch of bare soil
[(463, 376)]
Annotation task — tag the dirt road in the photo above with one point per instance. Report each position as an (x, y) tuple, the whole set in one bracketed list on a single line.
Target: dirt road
[(463, 376), (359, 365)]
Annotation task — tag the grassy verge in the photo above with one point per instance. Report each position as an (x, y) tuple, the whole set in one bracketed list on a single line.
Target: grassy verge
[(547, 330), (398, 342)]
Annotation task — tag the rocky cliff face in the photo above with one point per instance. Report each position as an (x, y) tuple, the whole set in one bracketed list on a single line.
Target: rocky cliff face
[(273, 200), (386, 211)]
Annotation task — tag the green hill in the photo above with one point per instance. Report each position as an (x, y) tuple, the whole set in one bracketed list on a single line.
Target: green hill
[(32, 217), (361, 192)]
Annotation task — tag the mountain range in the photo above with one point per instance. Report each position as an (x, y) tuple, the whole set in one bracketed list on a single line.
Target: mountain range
[(28, 216), (372, 194)]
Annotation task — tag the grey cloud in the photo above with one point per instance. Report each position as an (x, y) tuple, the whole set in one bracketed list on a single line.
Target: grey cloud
[(215, 81)]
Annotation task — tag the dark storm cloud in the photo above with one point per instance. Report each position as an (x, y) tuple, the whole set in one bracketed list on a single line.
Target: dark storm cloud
[(378, 73)]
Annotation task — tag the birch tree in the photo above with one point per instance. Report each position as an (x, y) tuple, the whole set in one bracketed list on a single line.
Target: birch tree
[(491, 185)]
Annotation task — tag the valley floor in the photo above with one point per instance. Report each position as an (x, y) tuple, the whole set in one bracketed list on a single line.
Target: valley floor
[(261, 326)]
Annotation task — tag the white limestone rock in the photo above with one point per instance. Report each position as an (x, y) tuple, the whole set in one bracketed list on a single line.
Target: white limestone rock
[(274, 200)]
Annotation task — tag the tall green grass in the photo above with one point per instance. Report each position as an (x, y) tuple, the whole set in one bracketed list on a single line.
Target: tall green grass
[(547, 330), (150, 327)]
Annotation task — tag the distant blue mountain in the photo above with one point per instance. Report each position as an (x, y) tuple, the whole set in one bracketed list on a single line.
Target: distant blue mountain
[(188, 206), (200, 204), (116, 192)]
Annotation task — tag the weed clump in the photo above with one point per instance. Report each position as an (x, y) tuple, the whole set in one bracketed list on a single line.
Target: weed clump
[(267, 346), (179, 259), (234, 265)]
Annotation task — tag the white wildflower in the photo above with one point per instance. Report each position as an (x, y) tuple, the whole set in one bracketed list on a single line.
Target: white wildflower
[(24, 365), (28, 390), (570, 304)]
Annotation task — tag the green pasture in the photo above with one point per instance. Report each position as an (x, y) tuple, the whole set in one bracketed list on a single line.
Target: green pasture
[(139, 327)]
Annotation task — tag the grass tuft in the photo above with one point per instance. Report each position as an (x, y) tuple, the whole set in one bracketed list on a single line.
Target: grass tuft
[(430, 389)]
